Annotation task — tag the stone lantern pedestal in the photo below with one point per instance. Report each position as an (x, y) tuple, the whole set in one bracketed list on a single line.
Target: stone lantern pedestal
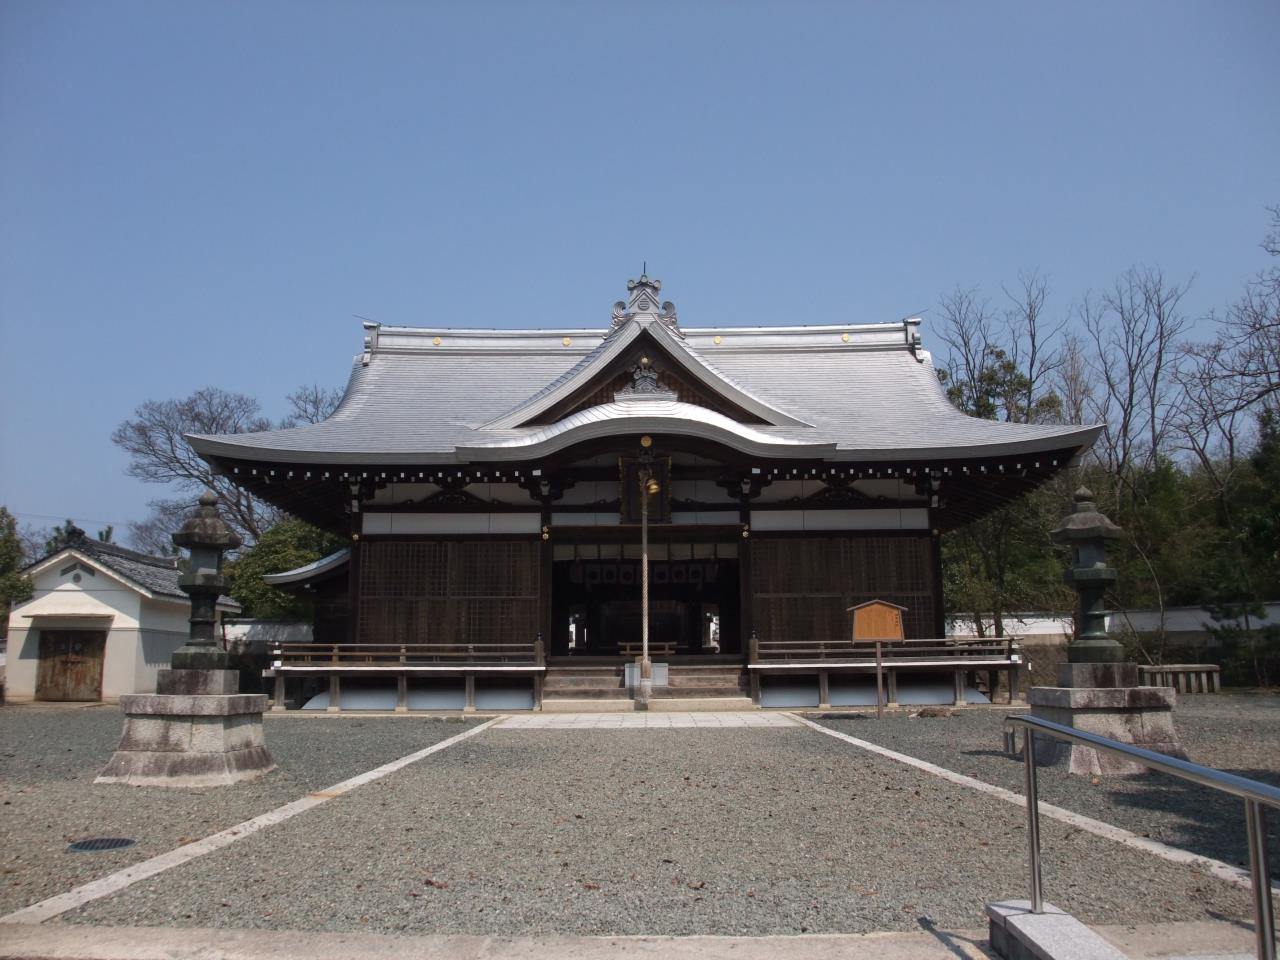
[(1097, 692), (197, 729)]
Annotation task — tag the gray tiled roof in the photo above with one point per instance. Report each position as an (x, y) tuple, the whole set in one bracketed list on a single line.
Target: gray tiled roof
[(440, 395), (157, 575)]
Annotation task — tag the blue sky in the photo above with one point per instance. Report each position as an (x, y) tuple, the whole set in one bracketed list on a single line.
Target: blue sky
[(206, 193)]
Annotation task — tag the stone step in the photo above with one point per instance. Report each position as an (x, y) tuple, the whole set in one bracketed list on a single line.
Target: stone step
[(684, 680), (555, 682), (692, 704), (587, 706), (698, 691), (586, 693)]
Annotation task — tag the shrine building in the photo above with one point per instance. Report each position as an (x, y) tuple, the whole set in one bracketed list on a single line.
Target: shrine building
[(489, 483)]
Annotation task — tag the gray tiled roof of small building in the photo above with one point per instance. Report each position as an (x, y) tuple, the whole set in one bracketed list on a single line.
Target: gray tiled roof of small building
[(158, 575), (412, 400)]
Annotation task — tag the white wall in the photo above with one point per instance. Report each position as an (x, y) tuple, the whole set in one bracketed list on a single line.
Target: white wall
[(142, 632), (99, 601)]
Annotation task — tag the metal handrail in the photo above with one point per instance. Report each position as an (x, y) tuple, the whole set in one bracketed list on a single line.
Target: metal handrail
[(1256, 795)]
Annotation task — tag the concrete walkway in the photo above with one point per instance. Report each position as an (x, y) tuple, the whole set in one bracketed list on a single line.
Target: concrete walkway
[(1174, 941), (643, 720)]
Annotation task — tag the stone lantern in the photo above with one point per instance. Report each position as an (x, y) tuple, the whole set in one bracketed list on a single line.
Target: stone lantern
[(1087, 531), (1097, 690), (197, 729), (207, 537)]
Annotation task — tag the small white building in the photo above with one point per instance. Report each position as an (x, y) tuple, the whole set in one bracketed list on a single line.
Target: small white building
[(102, 620)]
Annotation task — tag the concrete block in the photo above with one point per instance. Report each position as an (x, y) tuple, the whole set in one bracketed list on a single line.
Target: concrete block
[(173, 705), (187, 739), (155, 733), (153, 769), (1103, 698), (1098, 674), (199, 682), (587, 706), (1018, 934), (699, 704)]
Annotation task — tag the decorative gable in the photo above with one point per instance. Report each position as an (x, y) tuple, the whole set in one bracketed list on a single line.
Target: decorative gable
[(608, 370), (628, 372)]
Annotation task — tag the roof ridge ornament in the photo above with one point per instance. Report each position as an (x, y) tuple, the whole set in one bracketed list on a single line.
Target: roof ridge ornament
[(644, 384), (643, 302)]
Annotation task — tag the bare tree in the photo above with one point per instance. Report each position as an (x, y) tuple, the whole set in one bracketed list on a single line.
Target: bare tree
[(1032, 346), (1073, 380), (154, 535), (966, 330), (1246, 352), (311, 404), (1135, 328), (159, 453)]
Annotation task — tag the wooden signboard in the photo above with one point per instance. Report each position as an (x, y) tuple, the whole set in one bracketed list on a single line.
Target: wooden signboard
[(877, 621)]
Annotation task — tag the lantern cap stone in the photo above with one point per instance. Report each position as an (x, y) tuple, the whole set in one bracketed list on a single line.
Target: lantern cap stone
[(1085, 522), (206, 528)]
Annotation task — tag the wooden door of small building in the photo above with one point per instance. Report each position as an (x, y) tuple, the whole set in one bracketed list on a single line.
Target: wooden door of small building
[(70, 664)]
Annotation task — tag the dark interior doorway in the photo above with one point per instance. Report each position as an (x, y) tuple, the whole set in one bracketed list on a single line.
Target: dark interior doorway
[(693, 602)]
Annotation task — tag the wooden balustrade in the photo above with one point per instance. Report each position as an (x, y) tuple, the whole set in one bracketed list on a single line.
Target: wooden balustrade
[(887, 659), (395, 656), (1183, 677)]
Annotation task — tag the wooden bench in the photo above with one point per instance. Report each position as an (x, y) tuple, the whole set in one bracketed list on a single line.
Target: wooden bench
[(960, 657), (1183, 677), (405, 660)]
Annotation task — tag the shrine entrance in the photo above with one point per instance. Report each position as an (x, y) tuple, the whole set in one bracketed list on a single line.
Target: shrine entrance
[(693, 599)]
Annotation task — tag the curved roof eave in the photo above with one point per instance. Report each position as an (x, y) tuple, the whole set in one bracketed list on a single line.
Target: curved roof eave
[(333, 561), (670, 417), (1078, 439)]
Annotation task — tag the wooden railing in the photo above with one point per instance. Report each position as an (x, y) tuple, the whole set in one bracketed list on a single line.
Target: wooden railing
[(891, 651), (886, 658), (657, 648), (1183, 677), (398, 655)]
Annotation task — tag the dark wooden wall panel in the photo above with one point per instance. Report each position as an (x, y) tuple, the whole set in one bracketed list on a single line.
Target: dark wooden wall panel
[(801, 586), (448, 591)]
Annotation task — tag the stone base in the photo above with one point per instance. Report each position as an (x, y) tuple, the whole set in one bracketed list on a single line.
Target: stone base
[(1015, 933), (1142, 716), (176, 739)]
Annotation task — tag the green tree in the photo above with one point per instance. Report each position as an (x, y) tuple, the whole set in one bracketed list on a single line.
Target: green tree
[(14, 587), (62, 536), (285, 546)]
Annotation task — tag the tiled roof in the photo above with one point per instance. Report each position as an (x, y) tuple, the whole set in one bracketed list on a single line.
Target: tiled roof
[(157, 575), (439, 395)]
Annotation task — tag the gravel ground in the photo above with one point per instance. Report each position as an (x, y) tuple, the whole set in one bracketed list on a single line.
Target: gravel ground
[(1235, 732), (50, 755), (731, 831)]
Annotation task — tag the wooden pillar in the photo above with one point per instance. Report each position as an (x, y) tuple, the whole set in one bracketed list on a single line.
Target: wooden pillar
[(1014, 673), (993, 683), (402, 693), (892, 676), (755, 687), (824, 690), (746, 624), (546, 557), (537, 691), (939, 610), (277, 705), (959, 691), (353, 582), (469, 698), (335, 693)]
